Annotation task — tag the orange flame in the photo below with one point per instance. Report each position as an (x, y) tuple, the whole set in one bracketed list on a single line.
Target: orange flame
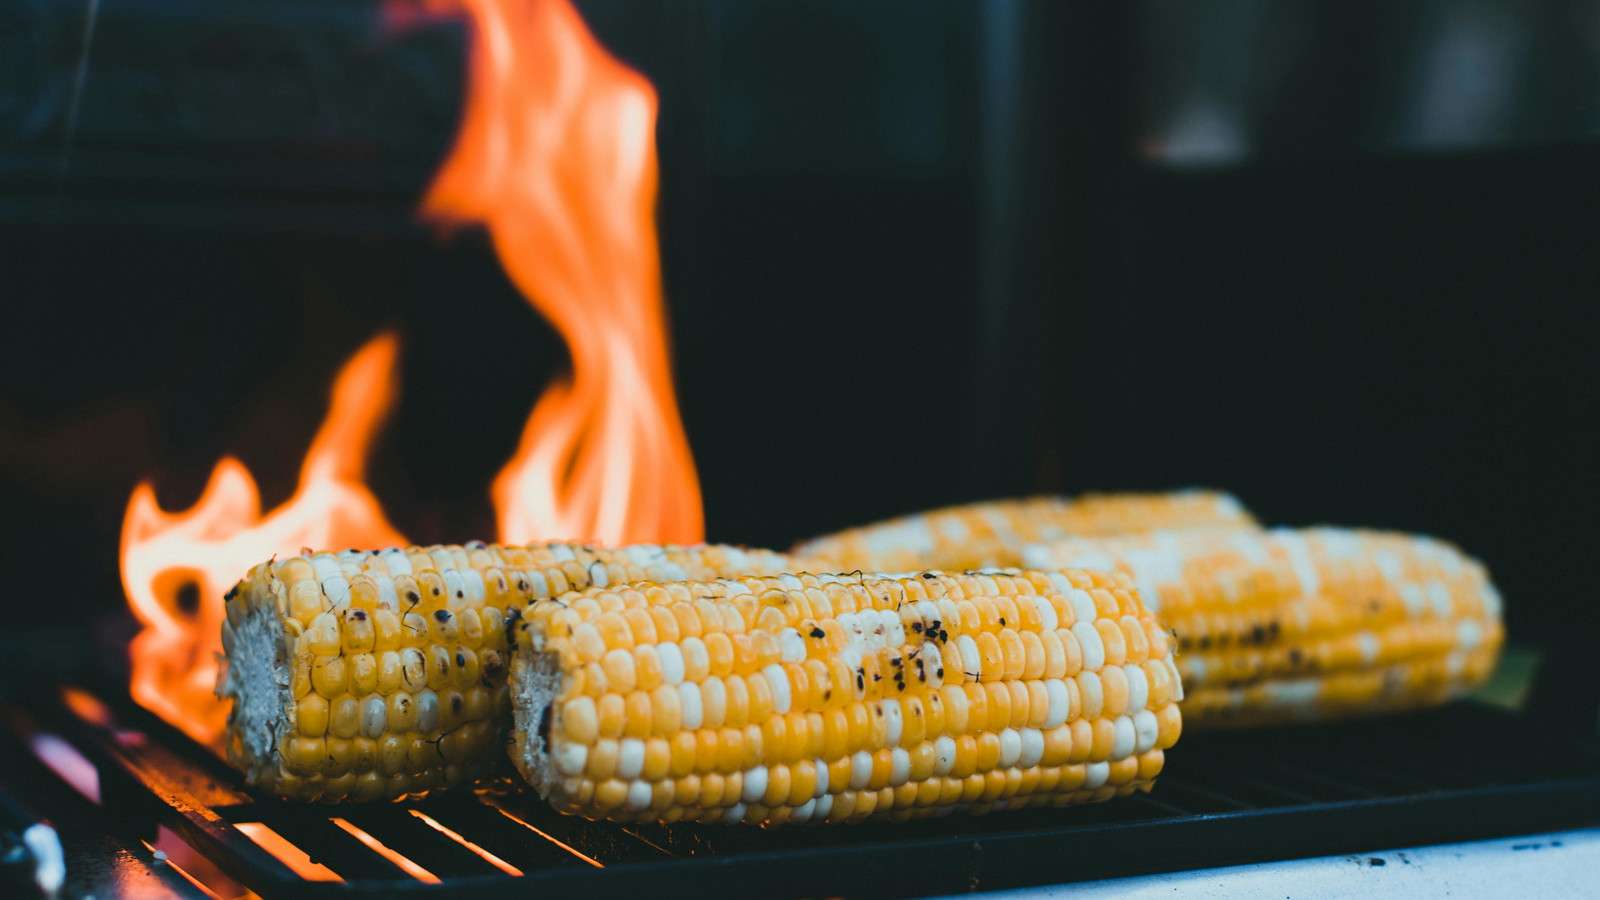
[(556, 157), (205, 549)]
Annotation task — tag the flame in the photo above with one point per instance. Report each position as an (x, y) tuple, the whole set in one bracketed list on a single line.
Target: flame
[(556, 158), (204, 550)]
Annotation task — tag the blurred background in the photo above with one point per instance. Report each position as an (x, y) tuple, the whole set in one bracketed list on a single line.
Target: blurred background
[(1342, 259)]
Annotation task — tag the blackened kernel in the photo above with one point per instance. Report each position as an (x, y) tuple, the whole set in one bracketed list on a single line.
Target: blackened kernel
[(461, 659), (413, 597), (861, 682), (455, 704), (437, 592), (917, 627), (360, 615), (939, 671), (443, 615), (817, 632), (461, 595)]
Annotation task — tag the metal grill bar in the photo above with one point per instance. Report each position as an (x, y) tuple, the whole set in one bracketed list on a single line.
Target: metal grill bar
[(1226, 798)]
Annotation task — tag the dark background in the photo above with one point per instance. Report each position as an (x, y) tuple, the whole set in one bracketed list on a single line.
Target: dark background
[(1338, 258)]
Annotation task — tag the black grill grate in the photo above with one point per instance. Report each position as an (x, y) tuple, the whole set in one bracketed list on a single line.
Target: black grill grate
[(1462, 773)]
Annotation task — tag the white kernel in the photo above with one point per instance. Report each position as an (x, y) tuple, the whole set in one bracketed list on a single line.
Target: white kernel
[(638, 796), (537, 586), (1032, 748), (1468, 634), (427, 710), (599, 577), (1414, 599), (664, 571), (1124, 737), (971, 659), (1491, 601), (1368, 643), (1439, 597), (1145, 730), (374, 716), (645, 554), (894, 631), (1060, 581), (1095, 775), (455, 589), (803, 812), (630, 758), (689, 704), (338, 590), (562, 553), (397, 561), (1094, 651), (755, 784), (1047, 613), (822, 778), (1177, 680), (791, 646), (1091, 694), (893, 720), (1060, 703), (326, 565), (571, 757), (824, 806), (1083, 608), (671, 657), (779, 680), (899, 767), (734, 813), (1138, 686), (944, 755), (1010, 747), (860, 770)]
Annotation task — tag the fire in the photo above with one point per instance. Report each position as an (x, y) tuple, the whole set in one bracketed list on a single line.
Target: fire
[(556, 159), (174, 561)]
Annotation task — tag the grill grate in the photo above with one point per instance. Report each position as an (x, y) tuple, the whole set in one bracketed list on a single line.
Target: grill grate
[(1455, 774)]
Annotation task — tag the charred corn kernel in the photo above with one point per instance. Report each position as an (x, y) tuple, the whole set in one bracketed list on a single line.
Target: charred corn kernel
[(985, 534), (1285, 625), (829, 698), (395, 660)]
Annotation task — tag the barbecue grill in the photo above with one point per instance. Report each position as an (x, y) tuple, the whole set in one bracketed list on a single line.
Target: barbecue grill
[(1458, 774), (1313, 314)]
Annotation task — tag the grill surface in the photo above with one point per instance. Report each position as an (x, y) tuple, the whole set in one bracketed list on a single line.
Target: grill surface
[(1458, 774)]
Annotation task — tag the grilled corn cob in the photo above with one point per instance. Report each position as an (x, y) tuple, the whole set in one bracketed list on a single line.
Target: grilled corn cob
[(984, 534), (841, 697), (368, 675), (1287, 625)]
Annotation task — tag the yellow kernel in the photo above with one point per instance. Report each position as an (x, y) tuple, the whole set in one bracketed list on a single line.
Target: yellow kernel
[(657, 759), (988, 751), (1169, 725), (992, 659), (639, 718), (802, 782), (603, 759), (618, 666), (730, 750), (719, 649), (1114, 688), (328, 676), (580, 720), (311, 715), (1111, 637), (667, 706)]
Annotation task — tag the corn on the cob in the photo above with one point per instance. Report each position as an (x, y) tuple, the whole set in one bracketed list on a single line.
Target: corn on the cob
[(839, 697), (370, 675), (983, 534), (1288, 625)]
